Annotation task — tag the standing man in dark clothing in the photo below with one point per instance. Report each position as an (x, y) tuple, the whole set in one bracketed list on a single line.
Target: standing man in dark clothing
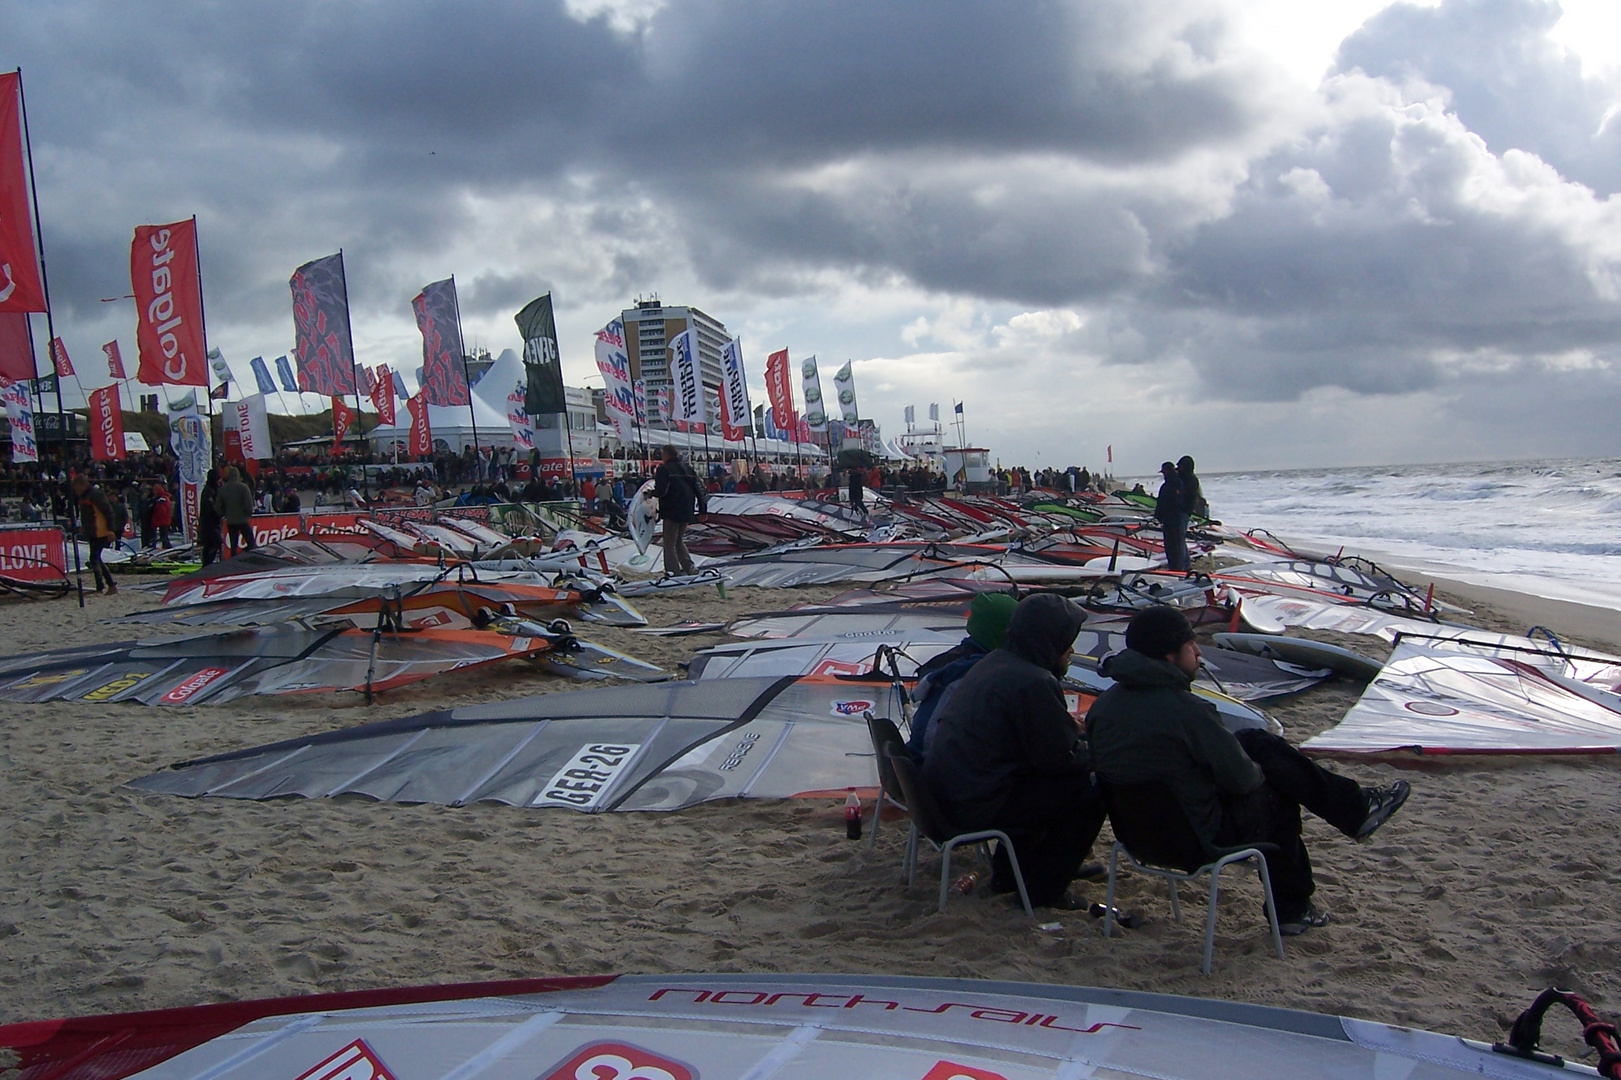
[(1008, 755), (96, 528), (1193, 500), (1233, 789), (682, 501), (208, 518), (235, 504), (1169, 509), (858, 494)]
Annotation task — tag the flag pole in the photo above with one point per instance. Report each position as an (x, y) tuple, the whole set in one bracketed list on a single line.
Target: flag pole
[(50, 328), (349, 331)]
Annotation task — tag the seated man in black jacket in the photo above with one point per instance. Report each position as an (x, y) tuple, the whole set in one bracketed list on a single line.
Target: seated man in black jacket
[(1008, 755), (1233, 790)]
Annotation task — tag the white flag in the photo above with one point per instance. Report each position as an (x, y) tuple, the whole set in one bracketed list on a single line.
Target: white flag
[(844, 385), (252, 423), (734, 384), (20, 413), (911, 415), (815, 414), (934, 412), (620, 395), (222, 370), (685, 373), (523, 431)]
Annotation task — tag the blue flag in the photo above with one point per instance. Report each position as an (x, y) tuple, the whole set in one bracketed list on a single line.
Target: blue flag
[(284, 371), (261, 375), (399, 387)]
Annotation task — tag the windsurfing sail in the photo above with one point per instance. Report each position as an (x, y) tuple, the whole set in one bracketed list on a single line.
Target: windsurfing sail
[(1435, 699), (686, 1027)]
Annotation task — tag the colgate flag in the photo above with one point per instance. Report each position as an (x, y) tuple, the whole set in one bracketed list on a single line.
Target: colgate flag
[(59, 359), (342, 417), (20, 287), (16, 347), (106, 425), (115, 360), (421, 440), (444, 379), (169, 296), (779, 388), (326, 361), (382, 395)]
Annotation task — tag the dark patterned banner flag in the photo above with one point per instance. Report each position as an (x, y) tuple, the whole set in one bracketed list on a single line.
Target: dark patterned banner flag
[(326, 361), (545, 396), (444, 378)]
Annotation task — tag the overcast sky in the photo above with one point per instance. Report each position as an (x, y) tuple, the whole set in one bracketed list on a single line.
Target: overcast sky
[(1269, 234)]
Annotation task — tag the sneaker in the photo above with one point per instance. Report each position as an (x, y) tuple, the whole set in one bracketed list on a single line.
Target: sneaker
[(1296, 925), (1382, 802)]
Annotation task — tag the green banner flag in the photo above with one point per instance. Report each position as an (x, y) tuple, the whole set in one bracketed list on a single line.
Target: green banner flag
[(543, 394), (45, 384)]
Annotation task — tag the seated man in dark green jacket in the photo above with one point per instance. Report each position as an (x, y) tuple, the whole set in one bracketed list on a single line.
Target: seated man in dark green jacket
[(1008, 755), (1233, 790)]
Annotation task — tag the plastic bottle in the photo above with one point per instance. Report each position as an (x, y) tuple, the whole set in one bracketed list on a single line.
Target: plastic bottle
[(852, 815), (968, 882)]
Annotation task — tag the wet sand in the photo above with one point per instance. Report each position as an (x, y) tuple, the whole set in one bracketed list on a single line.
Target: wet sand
[(1496, 880)]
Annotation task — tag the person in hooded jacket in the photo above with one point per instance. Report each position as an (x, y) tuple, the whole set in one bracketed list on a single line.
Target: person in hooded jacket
[(1170, 509), (938, 678), (1008, 755), (1233, 789)]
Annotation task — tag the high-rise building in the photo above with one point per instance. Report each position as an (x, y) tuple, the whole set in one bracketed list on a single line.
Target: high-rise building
[(649, 326)]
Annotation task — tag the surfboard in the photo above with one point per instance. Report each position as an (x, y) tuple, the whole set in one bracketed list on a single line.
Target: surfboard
[(643, 517), (1305, 652)]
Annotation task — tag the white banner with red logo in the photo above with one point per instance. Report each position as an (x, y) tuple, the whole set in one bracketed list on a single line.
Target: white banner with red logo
[(619, 397), (250, 419), (421, 440), (20, 415), (106, 425), (169, 297)]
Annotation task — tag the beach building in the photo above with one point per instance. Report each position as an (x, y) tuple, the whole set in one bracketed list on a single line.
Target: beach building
[(649, 326)]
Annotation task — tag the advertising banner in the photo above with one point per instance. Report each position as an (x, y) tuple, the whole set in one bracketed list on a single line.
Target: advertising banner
[(251, 421), (420, 442), (444, 376), (734, 390), (21, 290), (261, 375), (619, 396), (194, 456), (106, 425), (779, 388), (20, 415), (541, 360), (844, 385), (168, 288), (16, 347), (115, 359), (688, 379), (382, 396), (326, 361), (523, 431), (640, 391), (33, 554), (815, 414), (284, 372), (59, 359), (342, 417)]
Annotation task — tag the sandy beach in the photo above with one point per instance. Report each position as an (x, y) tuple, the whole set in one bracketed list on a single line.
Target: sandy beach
[(1496, 880)]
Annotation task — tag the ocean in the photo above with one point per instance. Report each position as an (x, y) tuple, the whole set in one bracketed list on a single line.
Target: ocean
[(1548, 528)]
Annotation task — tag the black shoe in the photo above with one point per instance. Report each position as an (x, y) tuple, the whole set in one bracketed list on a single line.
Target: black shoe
[(1382, 802), (1092, 871), (1298, 924), (1067, 902)]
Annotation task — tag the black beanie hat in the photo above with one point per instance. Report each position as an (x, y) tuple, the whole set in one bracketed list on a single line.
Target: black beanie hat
[(1158, 631)]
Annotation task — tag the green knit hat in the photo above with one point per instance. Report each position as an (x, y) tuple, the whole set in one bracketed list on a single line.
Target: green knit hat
[(988, 618)]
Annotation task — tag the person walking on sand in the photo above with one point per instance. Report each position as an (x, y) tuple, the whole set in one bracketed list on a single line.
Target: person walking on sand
[(682, 501), (1232, 789), (96, 528)]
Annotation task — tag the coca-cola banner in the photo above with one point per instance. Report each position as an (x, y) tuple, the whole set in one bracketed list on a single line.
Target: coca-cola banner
[(444, 379), (20, 285), (169, 297), (106, 425), (326, 362), (421, 440), (779, 387)]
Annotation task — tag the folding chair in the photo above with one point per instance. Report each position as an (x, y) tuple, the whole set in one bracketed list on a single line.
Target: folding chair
[(928, 821), (884, 734), (1156, 838)]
